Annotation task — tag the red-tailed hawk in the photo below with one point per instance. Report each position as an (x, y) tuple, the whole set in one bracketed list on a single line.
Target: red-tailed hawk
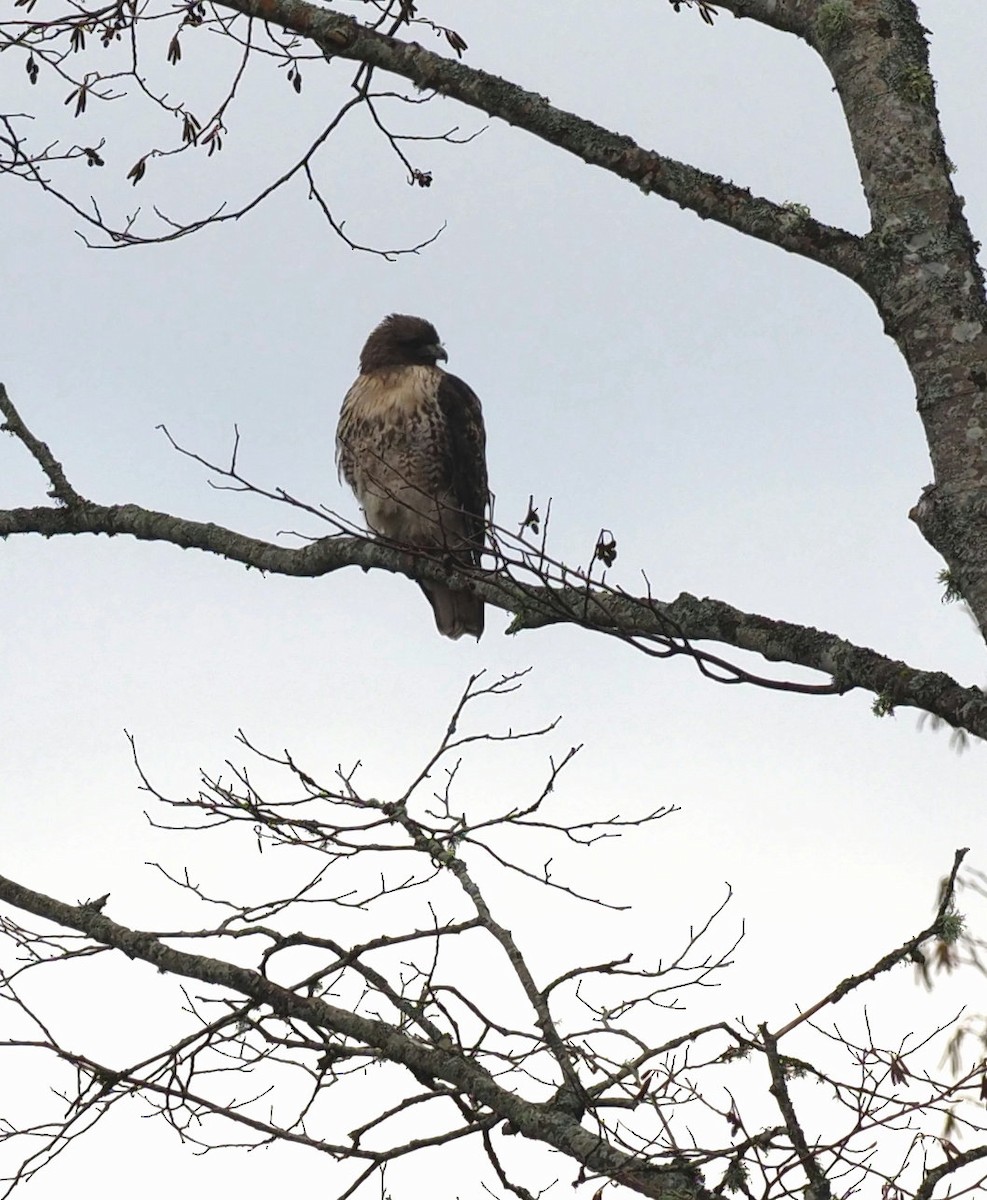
[(411, 445)]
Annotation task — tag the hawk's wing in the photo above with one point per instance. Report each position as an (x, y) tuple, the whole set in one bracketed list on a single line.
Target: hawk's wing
[(465, 455)]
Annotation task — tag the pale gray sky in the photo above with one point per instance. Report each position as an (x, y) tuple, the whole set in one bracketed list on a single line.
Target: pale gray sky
[(735, 415)]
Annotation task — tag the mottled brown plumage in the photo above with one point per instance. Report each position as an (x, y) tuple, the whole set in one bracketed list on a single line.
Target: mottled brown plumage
[(411, 445)]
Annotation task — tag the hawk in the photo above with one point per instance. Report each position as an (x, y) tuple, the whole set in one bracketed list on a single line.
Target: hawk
[(411, 445)]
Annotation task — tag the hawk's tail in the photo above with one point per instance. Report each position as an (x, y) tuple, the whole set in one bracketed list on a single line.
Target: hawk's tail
[(456, 613)]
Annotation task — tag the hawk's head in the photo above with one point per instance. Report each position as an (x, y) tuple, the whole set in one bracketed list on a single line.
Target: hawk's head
[(402, 341)]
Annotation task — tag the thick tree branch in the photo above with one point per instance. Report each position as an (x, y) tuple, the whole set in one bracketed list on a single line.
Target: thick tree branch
[(543, 1123), (560, 596), (705, 194), (923, 271), (894, 683), (787, 16)]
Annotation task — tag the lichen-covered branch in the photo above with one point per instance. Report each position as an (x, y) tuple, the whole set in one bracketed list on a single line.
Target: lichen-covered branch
[(545, 1123), (705, 194), (535, 589), (923, 273), (909, 950)]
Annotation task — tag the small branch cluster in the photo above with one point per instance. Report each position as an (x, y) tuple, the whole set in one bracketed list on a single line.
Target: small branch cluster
[(130, 53)]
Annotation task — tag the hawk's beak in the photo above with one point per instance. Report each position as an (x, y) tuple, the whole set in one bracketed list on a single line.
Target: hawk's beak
[(440, 352)]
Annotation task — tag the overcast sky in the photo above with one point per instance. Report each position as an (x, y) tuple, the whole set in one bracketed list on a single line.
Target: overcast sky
[(735, 415)]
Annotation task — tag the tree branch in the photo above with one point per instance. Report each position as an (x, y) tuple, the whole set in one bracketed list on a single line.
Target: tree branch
[(61, 489), (703, 193), (787, 16), (561, 595), (818, 1188), (544, 1123), (894, 683), (909, 950), (947, 1168)]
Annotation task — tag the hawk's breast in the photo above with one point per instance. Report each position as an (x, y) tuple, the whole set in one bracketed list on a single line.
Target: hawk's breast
[(392, 449)]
